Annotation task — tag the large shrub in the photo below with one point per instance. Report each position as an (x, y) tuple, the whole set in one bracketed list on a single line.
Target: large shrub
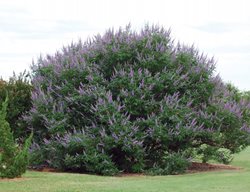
[(133, 102), (19, 89), (13, 158)]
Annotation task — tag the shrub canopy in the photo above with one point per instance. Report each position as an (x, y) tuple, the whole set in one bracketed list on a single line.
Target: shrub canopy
[(18, 89), (129, 101)]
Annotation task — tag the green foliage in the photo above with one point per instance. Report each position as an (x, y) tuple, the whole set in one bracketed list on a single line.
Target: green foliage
[(222, 155), (19, 93), (172, 163), (207, 152), (245, 95), (13, 159)]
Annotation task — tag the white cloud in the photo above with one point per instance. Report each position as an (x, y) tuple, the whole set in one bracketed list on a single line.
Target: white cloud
[(29, 28)]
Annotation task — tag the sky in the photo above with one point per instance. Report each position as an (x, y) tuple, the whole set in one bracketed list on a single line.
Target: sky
[(218, 28)]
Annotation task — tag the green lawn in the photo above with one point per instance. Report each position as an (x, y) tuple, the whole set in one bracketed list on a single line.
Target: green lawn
[(221, 181)]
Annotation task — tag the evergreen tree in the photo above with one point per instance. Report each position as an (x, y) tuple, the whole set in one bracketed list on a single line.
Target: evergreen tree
[(13, 159)]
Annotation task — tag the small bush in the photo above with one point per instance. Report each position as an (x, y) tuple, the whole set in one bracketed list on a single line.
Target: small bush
[(206, 152), (172, 164), (13, 159), (223, 156)]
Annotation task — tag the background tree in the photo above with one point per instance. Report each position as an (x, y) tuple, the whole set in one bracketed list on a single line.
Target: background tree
[(19, 90)]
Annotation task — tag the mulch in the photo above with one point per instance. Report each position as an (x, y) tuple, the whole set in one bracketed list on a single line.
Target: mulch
[(201, 167), (195, 167)]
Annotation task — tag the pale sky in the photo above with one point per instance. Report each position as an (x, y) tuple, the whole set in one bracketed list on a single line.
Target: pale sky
[(219, 28)]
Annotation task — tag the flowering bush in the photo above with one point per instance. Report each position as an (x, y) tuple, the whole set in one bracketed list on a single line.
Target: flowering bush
[(132, 102)]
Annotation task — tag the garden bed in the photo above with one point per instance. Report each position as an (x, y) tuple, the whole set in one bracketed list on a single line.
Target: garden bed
[(193, 168), (200, 167)]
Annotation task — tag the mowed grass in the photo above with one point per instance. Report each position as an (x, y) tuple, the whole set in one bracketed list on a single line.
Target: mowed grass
[(220, 181)]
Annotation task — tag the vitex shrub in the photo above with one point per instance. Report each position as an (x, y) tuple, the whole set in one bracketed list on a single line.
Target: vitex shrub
[(131, 101)]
